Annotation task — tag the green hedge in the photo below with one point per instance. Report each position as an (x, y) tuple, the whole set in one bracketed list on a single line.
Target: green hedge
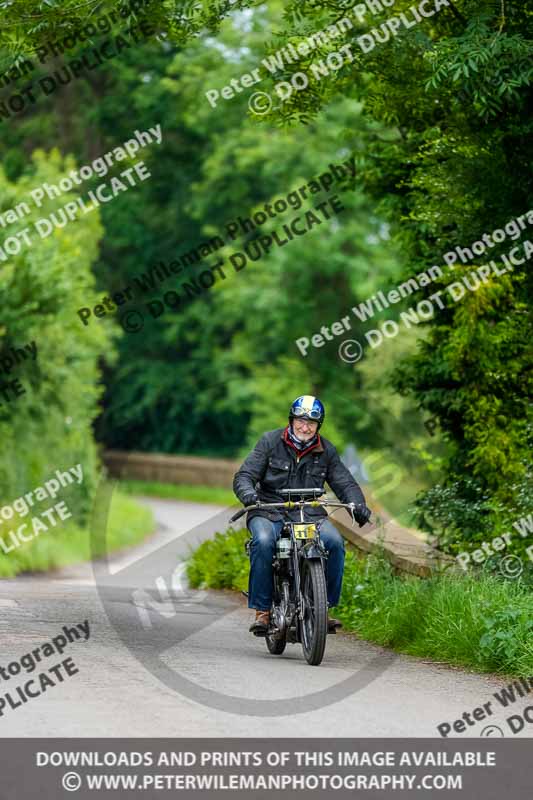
[(50, 426)]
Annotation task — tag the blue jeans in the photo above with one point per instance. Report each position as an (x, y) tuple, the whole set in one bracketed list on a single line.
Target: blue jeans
[(264, 534)]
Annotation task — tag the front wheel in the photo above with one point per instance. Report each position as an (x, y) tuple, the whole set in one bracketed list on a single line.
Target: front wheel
[(314, 603)]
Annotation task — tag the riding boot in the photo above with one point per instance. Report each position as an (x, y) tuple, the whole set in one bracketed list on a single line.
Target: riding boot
[(261, 623)]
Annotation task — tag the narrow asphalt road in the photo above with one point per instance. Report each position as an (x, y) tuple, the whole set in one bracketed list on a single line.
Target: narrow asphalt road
[(162, 660)]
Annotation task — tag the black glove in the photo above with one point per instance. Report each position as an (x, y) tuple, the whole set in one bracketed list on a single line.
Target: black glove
[(361, 513), (250, 499)]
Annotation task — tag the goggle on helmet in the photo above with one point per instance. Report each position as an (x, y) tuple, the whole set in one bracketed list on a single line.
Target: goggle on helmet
[(308, 407)]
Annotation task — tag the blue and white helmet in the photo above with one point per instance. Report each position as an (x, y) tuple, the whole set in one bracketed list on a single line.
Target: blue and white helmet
[(308, 407)]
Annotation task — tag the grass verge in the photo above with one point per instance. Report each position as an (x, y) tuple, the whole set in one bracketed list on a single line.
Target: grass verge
[(68, 543), (194, 494), (473, 620)]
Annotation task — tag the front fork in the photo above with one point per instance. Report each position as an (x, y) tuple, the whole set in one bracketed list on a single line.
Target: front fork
[(318, 552)]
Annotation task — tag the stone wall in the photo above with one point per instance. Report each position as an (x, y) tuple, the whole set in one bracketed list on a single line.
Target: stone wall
[(189, 470)]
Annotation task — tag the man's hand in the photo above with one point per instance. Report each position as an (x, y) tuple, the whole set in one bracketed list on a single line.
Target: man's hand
[(250, 499), (361, 513)]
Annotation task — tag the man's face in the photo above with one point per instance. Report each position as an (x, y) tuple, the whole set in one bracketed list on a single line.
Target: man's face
[(304, 429)]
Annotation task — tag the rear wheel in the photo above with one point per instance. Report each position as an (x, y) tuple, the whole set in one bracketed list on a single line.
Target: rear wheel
[(276, 646), (315, 611)]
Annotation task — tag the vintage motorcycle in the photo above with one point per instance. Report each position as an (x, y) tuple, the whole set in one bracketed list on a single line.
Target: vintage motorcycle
[(299, 612)]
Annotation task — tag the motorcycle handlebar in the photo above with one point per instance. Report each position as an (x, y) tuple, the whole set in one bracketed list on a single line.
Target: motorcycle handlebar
[(289, 504)]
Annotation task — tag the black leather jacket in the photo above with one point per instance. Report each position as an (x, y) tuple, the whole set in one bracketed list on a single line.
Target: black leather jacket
[(274, 465)]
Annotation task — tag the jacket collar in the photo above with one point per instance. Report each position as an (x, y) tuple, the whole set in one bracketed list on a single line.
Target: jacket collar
[(300, 453)]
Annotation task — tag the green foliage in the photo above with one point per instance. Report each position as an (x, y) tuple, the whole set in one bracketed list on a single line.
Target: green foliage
[(509, 632), (490, 68), (461, 514), (472, 373), (220, 563), (28, 25), (50, 426)]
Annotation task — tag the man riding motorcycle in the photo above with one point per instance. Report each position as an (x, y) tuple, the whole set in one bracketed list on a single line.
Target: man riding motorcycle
[(293, 457)]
